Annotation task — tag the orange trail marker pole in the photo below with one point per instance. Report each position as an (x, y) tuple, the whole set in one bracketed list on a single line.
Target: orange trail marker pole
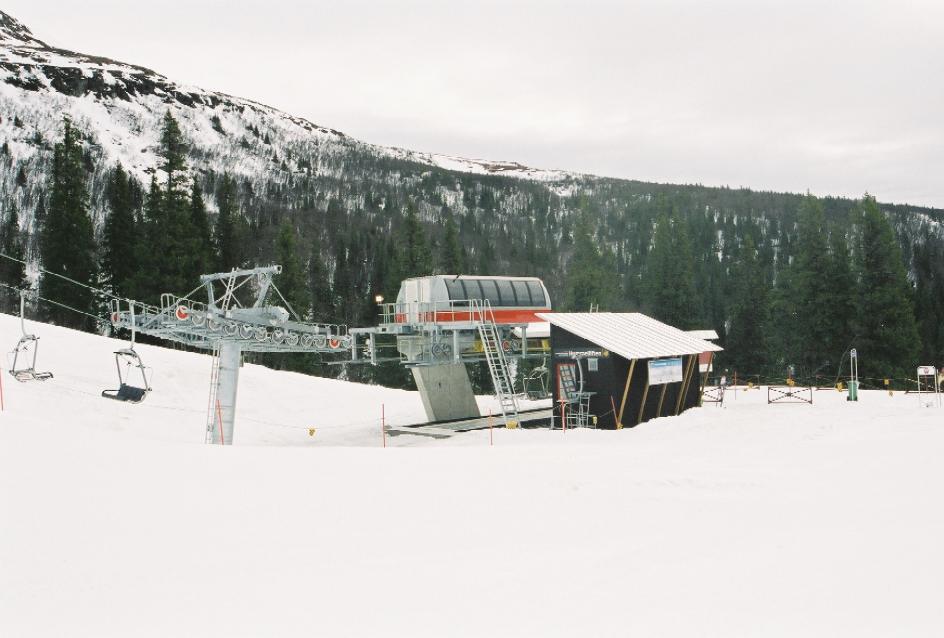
[(219, 417)]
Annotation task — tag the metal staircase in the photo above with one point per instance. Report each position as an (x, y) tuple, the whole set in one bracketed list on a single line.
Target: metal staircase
[(495, 357), (577, 412)]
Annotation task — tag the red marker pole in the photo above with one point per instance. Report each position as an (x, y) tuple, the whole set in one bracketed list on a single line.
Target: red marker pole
[(219, 416), (383, 426)]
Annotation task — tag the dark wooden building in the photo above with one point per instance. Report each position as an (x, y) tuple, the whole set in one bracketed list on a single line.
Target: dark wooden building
[(620, 369)]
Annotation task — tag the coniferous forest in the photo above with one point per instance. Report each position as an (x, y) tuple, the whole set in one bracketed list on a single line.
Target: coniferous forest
[(787, 281)]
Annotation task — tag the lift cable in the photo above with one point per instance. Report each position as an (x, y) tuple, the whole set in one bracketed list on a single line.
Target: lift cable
[(69, 279), (56, 303)]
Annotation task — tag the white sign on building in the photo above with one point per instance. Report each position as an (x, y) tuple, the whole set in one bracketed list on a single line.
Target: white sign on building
[(665, 371)]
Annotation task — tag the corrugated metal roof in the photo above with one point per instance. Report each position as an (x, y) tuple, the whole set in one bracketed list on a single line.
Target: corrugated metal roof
[(707, 335), (632, 335)]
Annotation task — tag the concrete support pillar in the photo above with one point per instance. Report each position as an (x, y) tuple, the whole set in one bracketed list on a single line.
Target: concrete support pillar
[(226, 386), (446, 392)]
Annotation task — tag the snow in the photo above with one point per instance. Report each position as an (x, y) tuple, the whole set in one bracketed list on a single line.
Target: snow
[(746, 519), (482, 166)]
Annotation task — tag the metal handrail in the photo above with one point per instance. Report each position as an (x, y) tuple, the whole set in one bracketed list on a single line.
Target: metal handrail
[(433, 312)]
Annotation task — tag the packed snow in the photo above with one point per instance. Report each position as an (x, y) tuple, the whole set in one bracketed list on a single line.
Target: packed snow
[(742, 520)]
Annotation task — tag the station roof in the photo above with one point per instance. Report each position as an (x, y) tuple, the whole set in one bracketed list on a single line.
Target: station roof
[(631, 335), (707, 335)]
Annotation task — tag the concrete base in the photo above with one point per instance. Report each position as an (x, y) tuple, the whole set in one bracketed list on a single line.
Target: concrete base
[(446, 392)]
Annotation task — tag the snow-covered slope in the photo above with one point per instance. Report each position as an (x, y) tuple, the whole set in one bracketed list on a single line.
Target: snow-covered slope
[(274, 408), (743, 520)]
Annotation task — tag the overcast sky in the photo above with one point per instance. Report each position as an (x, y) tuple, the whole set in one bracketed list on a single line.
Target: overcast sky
[(833, 97)]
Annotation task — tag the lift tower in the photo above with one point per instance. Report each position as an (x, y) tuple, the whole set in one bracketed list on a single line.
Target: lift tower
[(228, 327)]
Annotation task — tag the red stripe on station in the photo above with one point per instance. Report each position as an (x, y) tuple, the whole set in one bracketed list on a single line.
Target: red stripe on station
[(509, 316)]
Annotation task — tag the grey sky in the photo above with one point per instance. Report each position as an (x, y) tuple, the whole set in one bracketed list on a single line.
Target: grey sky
[(833, 97)]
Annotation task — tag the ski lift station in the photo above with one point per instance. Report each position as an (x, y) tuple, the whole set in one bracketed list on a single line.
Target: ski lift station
[(620, 369), (601, 369)]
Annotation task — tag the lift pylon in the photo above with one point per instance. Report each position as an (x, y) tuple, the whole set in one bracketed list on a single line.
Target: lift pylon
[(227, 327)]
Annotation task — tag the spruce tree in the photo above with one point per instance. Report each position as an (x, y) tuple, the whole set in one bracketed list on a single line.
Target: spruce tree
[(746, 347), (929, 297), (67, 241), (783, 333), (840, 310), (887, 339), (228, 234), (202, 242), (175, 261), (451, 254), (120, 260), (146, 284), (12, 271), (670, 277), (589, 282), (811, 270), (292, 282), (415, 255), (322, 305)]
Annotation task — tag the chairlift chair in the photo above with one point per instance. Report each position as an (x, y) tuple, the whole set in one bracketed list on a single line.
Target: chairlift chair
[(126, 391), (25, 373), (535, 382), (27, 342)]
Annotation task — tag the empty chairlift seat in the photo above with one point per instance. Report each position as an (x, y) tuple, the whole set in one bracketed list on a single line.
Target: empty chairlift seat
[(19, 368), (127, 392)]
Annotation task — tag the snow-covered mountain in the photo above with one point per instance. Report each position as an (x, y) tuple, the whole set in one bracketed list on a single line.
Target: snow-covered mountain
[(119, 107)]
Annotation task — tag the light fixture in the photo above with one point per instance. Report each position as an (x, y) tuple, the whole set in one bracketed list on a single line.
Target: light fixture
[(379, 299)]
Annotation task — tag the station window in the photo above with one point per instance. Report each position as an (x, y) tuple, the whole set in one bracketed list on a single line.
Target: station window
[(537, 294), (490, 291), (506, 292), (521, 293), (454, 288), (472, 289)]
